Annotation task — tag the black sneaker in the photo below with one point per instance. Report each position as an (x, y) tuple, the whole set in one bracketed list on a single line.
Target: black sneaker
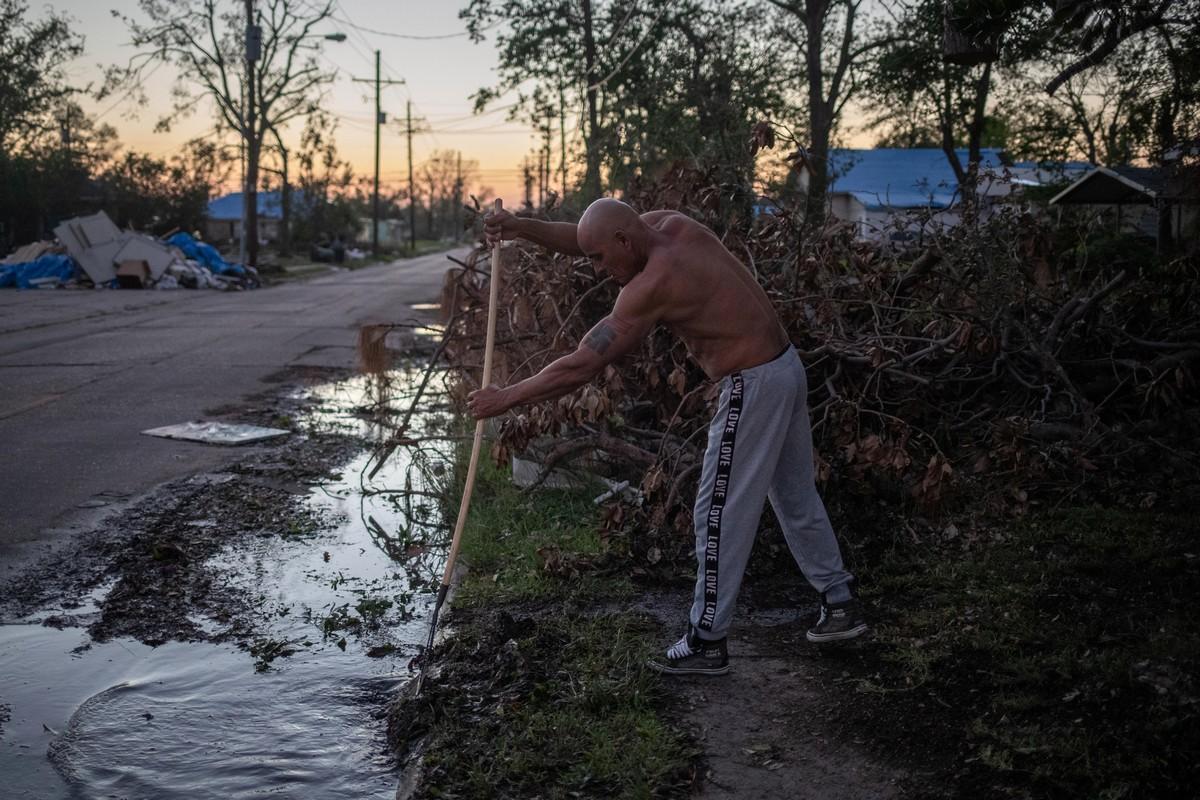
[(838, 621), (692, 655)]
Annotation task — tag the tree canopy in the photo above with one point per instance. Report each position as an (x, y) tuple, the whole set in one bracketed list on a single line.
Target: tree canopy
[(32, 81)]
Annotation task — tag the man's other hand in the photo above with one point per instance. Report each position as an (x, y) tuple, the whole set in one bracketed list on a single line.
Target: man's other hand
[(486, 402), (499, 226)]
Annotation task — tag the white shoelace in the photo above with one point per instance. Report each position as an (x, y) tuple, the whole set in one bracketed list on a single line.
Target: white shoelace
[(679, 650)]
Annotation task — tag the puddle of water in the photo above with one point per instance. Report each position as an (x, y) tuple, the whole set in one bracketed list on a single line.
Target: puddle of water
[(341, 611), (81, 610), (371, 406)]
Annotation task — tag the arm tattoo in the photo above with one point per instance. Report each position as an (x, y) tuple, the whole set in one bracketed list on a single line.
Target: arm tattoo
[(600, 338)]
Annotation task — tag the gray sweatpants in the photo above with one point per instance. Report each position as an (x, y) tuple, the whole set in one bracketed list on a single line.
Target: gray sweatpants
[(760, 444)]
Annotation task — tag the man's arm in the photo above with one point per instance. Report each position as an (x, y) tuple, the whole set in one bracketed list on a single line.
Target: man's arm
[(632, 319), (558, 236)]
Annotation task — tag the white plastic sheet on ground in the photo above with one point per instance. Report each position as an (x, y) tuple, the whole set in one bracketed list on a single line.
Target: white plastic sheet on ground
[(216, 432)]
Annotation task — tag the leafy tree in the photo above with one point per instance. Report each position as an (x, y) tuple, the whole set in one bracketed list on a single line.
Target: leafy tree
[(157, 195), (32, 81), (915, 89), (695, 94), (329, 205), (1104, 116), (650, 81), (828, 37), (51, 176), (545, 43), (204, 40), (1144, 56)]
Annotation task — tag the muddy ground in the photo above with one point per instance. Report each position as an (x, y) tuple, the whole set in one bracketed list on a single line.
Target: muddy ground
[(776, 728), (154, 551)]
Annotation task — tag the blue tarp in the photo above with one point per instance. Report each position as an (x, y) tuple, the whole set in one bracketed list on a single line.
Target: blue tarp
[(19, 275), (204, 254)]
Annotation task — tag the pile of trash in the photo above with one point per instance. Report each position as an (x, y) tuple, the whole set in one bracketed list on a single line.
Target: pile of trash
[(92, 251)]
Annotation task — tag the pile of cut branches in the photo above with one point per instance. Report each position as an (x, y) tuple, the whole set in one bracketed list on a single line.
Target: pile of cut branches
[(995, 364)]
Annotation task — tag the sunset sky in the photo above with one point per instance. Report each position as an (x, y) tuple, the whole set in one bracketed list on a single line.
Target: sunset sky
[(440, 76)]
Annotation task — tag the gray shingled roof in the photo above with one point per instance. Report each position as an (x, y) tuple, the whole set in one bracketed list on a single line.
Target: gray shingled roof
[(1104, 185)]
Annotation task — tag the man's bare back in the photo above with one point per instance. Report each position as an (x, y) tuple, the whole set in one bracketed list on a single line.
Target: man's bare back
[(673, 271), (708, 298)]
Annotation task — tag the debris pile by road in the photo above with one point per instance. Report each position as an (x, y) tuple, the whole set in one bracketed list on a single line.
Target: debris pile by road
[(93, 252), (944, 377)]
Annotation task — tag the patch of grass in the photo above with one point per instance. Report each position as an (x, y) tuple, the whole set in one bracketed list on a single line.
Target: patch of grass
[(558, 707), (535, 694), (528, 547), (1070, 647)]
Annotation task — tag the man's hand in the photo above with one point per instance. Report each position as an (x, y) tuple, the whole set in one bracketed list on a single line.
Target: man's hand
[(487, 402), (499, 226)]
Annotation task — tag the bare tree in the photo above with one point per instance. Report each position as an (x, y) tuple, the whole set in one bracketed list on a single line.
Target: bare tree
[(253, 93), (443, 178)]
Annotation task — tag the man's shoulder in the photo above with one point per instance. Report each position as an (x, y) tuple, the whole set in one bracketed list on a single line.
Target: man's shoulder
[(644, 293), (656, 218)]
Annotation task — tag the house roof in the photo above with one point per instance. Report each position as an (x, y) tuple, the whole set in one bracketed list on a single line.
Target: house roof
[(1106, 185), (890, 177), (229, 207)]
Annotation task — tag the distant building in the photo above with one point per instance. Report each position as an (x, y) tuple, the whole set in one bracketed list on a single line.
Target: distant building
[(223, 222), (894, 193), (393, 233), (1133, 199)]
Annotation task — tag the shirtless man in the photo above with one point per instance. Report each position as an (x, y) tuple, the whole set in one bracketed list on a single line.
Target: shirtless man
[(674, 272)]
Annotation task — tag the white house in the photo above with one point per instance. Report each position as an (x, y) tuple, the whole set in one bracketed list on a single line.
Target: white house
[(895, 193)]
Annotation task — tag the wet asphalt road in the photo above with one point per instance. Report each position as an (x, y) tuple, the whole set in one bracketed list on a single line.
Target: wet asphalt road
[(83, 372)]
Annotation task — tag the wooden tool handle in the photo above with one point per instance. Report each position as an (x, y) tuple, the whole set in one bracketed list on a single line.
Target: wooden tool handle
[(465, 504)]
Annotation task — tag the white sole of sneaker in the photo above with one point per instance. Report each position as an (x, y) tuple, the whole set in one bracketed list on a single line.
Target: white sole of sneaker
[(665, 670), (852, 633)]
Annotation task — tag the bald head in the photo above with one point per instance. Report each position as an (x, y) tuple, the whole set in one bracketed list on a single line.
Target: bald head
[(605, 217), (615, 238)]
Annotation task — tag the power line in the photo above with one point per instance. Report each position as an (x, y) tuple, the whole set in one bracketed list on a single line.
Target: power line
[(474, 116), (392, 35), (140, 83), (514, 132)]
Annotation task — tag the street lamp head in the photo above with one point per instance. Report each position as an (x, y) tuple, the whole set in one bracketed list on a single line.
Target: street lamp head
[(333, 37)]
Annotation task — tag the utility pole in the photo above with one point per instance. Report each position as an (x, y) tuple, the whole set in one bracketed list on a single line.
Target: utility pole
[(249, 135), (528, 177), (562, 139), (458, 193), (412, 191), (380, 118), (242, 161), (541, 181), (65, 131), (549, 141)]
